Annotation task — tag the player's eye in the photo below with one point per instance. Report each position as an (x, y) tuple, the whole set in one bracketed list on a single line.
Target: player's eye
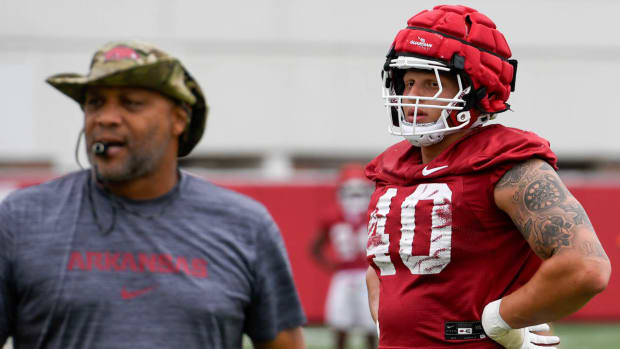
[(93, 103), (132, 103), (409, 85)]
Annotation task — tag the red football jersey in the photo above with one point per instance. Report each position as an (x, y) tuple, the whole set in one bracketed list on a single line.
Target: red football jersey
[(347, 235), (441, 247)]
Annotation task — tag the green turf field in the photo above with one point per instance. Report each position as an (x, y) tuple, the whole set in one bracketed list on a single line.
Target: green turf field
[(588, 336), (572, 336)]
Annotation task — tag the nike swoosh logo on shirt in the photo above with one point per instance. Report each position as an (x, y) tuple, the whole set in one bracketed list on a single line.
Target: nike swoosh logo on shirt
[(426, 171), (137, 293)]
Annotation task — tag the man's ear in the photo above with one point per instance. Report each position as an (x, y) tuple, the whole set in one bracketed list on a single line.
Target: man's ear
[(180, 120)]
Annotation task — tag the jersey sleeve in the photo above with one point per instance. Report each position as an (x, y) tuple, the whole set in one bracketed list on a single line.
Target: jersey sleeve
[(275, 303), (7, 301)]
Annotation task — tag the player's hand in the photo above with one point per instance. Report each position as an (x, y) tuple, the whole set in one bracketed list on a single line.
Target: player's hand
[(519, 338)]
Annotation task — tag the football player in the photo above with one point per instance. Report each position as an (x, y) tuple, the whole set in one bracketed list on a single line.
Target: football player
[(343, 227), (474, 241)]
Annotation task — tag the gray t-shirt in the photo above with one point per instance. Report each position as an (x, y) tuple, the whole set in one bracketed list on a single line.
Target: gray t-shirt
[(195, 268)]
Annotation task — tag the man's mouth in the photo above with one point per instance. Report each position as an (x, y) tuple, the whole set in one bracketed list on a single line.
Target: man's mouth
[(420, 118), (114, 148), (111, 147)]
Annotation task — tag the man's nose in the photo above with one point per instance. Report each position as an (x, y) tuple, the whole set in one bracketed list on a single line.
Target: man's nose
[(109, 114), (416, 90)]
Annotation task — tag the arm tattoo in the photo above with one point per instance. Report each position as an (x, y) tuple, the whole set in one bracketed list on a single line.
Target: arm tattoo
[(593, 249), (553, 233), (524, 227), (580, 216), (513, 177), (546, 213), (543, 194)]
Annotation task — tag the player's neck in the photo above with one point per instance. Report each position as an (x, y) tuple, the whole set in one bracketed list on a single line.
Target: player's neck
[(432, 151)]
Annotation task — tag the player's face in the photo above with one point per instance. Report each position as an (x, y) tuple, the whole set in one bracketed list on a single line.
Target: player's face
[(140, 127), (354, 195), (424, 83)]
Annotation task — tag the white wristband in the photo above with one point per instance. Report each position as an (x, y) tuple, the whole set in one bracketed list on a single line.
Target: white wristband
[(520, 338), (492, 322)]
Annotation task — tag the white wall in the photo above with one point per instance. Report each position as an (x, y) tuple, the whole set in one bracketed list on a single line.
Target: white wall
[(302, 77)]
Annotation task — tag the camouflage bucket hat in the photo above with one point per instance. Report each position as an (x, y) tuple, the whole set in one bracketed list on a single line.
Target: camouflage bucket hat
[(139, 64)]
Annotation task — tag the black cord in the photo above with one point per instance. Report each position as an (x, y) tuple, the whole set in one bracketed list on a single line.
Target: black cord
[(104, 231), (116, 203), (77, 149)]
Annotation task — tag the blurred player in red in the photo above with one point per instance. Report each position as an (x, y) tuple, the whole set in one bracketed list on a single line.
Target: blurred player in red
[(343, 226), (474, 240)]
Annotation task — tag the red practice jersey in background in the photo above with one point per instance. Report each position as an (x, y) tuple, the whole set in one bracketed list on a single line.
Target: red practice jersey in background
[(347, 236), (441, 247)]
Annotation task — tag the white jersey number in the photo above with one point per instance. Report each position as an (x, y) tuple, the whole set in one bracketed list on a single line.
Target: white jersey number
[(349, 243), (441, 231)]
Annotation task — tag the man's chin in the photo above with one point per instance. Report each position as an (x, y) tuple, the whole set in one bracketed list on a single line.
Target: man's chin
[(112, 175)]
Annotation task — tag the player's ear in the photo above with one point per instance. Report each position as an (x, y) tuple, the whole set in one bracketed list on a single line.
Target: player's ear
[(180, 119)]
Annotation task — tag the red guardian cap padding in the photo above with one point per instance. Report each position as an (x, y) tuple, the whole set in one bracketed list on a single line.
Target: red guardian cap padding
[(448, 30)]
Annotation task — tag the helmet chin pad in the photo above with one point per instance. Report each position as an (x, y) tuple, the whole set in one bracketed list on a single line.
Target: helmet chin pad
[(427, 139), (428, 134)]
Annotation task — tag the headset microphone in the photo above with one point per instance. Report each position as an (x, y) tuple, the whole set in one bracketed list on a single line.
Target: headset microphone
[(99, 148)]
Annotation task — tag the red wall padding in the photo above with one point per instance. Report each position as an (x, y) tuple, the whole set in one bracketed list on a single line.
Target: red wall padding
[(602, 203), (295, 207)]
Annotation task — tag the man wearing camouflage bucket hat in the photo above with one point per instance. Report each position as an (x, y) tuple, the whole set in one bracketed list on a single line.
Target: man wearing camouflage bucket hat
[(135, 253), (137, 64)]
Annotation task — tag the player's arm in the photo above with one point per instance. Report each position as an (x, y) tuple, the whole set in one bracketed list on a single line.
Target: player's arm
[(287, 339), (318, 250), (575, 266), (372, 284)]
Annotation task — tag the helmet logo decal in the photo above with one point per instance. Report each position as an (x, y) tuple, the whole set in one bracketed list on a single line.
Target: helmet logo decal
[(422, 43), (121, 52)]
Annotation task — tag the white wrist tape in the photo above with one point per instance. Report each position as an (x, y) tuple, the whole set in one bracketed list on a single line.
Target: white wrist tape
[(492, 321), (519, 338), (497, 329)]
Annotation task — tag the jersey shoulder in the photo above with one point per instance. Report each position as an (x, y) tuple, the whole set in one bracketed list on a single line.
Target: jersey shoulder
[(481, 149), (493, 146), (395, 165)]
